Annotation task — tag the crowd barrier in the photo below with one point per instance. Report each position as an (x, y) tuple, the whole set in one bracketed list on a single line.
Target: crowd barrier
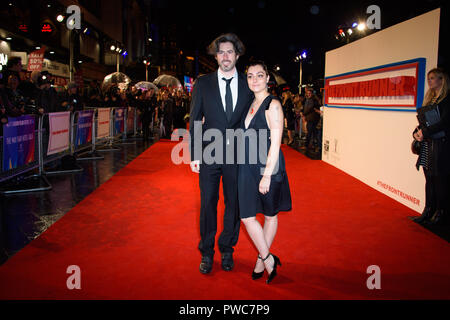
[(33, 147)]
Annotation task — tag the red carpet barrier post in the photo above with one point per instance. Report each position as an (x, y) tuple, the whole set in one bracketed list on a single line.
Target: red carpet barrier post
[(105, 130), (60, 144), (92, 154), (121, 126), (13, 175)]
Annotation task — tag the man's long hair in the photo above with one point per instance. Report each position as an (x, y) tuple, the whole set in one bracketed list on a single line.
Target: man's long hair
[(442, 93), (239, 47)]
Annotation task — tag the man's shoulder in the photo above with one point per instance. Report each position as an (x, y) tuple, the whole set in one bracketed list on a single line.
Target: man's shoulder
[(206, 77)]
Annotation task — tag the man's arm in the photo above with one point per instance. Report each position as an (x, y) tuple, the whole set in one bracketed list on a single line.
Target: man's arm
[(196, 114)]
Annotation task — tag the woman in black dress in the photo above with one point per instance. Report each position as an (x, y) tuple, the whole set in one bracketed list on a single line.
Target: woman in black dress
[(435, 152), (263, 185), (288, 107)]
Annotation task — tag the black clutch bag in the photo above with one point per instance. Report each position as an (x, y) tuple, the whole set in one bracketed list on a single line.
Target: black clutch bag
[(428, 116), (415, 147)]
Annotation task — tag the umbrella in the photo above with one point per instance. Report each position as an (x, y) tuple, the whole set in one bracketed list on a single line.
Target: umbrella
[(145, 85), (276, 78), (165, 80), (118, 79)]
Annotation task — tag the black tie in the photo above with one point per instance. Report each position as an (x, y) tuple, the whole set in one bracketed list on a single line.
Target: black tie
[(228, 99)]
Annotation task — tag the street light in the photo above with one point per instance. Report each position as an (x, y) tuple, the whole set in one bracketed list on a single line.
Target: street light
[(116, 49), (147, 63), (299, 58), (361, 26)]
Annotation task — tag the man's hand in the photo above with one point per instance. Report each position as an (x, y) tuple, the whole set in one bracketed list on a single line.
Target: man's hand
[(195, 166)]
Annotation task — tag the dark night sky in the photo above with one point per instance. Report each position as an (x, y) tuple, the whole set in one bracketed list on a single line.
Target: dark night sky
[(275, 30)]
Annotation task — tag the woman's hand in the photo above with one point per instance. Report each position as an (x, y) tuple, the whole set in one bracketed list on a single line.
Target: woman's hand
[(264, 184), (418, 135)]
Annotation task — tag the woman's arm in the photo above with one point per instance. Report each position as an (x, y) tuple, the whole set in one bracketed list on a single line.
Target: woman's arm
[(274, 118)]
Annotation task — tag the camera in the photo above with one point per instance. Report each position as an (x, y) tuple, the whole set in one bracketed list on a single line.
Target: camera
[(44, 78)]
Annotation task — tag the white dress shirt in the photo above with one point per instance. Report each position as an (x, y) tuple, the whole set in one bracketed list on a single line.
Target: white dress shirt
[(223, 87)]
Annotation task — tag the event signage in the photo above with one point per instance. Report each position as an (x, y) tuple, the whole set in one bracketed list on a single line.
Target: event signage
[(18, 142), (397, 86), (188, 83), (103, 122), (3, 60), (119, 120), (35, 60), (84, 128), (59, 132)]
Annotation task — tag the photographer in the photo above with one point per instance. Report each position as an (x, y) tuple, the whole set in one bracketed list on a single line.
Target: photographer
[(3, 115), (311, 112), (94, 97), (148, 105), (15, 96), (434, 154), (180, 110), (165, 114), (71, 100), (46, 97), (4, 103), (112, 98)]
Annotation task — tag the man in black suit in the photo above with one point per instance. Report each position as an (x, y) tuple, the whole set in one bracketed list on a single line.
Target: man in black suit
[(219, 101)]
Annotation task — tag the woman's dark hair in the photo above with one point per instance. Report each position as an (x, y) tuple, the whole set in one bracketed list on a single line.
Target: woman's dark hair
[(258, 63), (239, 47)]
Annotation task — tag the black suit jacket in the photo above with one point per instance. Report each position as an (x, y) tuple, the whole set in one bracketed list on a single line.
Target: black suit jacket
[(206, 102)]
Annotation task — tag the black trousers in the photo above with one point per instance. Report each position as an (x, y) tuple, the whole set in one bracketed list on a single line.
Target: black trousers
[(146, 120), (437, 191), (311, 128), (209, 192)]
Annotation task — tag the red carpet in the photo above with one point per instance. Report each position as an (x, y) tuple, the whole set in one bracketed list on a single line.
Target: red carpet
[(136, 237)]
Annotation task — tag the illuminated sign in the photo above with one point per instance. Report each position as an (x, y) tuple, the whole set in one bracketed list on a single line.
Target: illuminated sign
[(188, 83), (23, 28), (397, 86), (46, 28), (3, 60)]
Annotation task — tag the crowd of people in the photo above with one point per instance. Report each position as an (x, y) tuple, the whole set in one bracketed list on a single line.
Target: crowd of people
[(161, 108), (303, 118)]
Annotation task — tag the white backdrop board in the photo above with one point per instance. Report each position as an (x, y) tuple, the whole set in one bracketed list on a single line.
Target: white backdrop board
[(373, 87)]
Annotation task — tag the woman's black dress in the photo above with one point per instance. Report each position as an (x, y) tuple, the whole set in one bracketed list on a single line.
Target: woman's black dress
[(251, 201), (289, 114)]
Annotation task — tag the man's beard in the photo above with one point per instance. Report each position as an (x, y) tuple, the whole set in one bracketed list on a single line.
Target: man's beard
[(229, 67)]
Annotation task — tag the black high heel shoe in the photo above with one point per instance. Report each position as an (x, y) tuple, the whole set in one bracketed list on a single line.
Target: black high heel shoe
[(257, 275), (277, 262)]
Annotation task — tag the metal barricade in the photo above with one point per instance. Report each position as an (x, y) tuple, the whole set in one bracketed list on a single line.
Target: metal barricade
[(124, 134), (14, 180), (53, 158), (83, 152), (107, 143)]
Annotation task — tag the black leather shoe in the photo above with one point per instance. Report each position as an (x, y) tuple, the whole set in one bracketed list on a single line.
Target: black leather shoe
[(206, 264), (227, 261), (426, 215)]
